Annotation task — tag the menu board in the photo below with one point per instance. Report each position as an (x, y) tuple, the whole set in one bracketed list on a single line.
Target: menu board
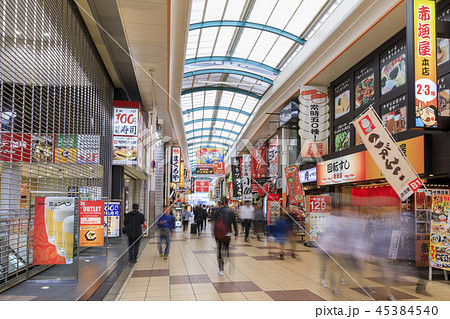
[(124, 150), (440, 233), (342, 98), (444, 95), (273, 209), (364, 86), (393, 67), (393, 114), (342, 134), (317, 223)]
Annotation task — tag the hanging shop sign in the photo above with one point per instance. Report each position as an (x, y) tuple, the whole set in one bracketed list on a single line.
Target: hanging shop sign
[(308, 175), (176, 164), (112, 219), (289, 113), (386, 154), (314, 121), (92, 215), (126, 121), (209, 161), (345, 169), (66, 148), (201, 186), (272, 157), (53, 230), (236, 176), (15, 147), (182, 175), (246, 177), (422, 31), (258, 162), (273, 208), (88, 149), (440, 233), (319, 204), (124, 150), (412, 148), (294, 185)]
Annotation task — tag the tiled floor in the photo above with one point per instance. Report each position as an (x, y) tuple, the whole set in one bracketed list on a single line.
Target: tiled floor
[(254, 272)]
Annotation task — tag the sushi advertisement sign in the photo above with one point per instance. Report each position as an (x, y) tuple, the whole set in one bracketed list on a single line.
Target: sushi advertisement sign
[(92, 215), (440, 233), (210, 161), (425, 71)]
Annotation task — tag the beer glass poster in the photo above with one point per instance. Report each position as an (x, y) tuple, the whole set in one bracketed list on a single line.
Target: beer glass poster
[(92, 215), (53, 230)]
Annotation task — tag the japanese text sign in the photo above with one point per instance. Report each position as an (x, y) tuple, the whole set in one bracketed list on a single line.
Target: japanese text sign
[(236, 176), (92, 215), (258, 162), (294, 185), (209, 161), (345, 169), (176, 166), (201, 186), (386, 154), (126, 121), (15, 147), (112, 219), (246, 177)]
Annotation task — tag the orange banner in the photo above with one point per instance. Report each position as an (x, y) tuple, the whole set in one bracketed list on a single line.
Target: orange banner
[(346, 169), (92, 214)]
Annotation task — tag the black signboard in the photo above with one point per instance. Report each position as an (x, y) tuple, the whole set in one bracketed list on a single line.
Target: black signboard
[(236, 176), (342, 98)]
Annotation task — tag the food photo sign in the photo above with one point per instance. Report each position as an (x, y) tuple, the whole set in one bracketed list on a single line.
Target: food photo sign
[(440, 233)]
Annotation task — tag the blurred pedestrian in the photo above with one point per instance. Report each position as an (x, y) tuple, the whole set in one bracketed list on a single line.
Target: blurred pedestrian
[(259, 221), (292, 219), (224, 218), (133, 229), (198, 218), (165, 227), (185, 217), (247, 215), (281, 231)]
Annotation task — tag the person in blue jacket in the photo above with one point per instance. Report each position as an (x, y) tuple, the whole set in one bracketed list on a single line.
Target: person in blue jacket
[(281, 231), (165, 227)]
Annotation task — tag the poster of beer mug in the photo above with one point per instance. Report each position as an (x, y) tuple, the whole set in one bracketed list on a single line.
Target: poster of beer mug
[(67, 238), (50, 205), (65, 208)]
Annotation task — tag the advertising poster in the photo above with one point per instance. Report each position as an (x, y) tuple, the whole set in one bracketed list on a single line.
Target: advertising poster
[(342, 137), (350, 168), (92, 215), (425, 69), (319, 204), (387, 155), (112, 219), (246, 177), (440, 233), (236, 176), (88, 149), (201, 186), (365, 86), (393, 67), (317, 223), (394, 244), (294, 185), (126, 121), (314, 121), (273, 208), (272, 158), (42, 148), (308, 175), (209, 161), (176, 164), (258, 162), (393, 115), (124, 150), (15, 147), (444, 96), (53, 230), (66, 148), (342, 98)]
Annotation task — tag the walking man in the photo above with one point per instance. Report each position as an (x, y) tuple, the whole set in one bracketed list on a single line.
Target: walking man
[(133, 229), (185, 217), (165, 227), (247, 215)]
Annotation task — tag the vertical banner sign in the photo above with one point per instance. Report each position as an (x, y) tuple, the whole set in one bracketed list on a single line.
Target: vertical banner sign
[(92, 214), (314, 121), (126, 121), (272, 158), (273, 208), (386, 154), (236, 176), (176, 166), (440, 233), (258, 162), (112, 219), (182, 175), (246, 177), (53, 230), (294, 185), (425, 71)]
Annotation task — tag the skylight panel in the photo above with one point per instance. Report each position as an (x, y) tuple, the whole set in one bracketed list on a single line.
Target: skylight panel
[(242, 118), (246, 42), (234, 9), (232, 116), (219, 124), (226, 99), (264, 43), (223, 41), (278, 51), (208, 113), (228, 126), (214, 10), (210, 98), (197, 11), (261, 11), (222, 114)]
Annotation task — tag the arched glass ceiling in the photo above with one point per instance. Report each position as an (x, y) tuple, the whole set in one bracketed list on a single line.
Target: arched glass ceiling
[(235, 50)]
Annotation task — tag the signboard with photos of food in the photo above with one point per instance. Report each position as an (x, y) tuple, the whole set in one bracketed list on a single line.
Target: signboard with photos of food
[(365, 86), (425, 68), (273, 208), (314, 121), (342, 135), (342, 98), (386, 154), (440, 232), (393, 67), (54, 230), (209, 161), (124, 150), (393, 115), (444, 95)]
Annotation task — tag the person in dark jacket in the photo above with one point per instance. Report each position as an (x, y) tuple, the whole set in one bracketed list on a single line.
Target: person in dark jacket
[(133, 229), (166, 224), (227, 215), (198, 219)]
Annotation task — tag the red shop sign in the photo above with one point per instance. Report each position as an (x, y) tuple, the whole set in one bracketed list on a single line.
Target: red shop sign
[(15, 147)]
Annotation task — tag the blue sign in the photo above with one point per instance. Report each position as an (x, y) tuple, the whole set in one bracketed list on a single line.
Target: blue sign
[(112, 219)]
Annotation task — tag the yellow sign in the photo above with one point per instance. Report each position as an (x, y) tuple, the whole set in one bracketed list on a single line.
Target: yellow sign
[(182, 175), (65, 155), (425, 71)]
